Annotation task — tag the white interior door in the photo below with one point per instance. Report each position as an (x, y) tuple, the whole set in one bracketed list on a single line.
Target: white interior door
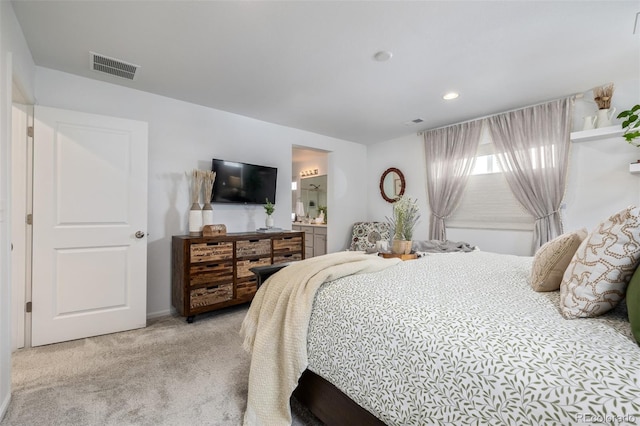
[(89, 225)]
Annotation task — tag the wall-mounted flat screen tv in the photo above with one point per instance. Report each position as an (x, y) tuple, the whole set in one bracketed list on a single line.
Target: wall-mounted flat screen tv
[(243, 183)]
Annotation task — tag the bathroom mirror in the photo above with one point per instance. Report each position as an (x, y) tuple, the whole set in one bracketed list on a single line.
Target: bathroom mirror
[(392, 184), (313, 194)]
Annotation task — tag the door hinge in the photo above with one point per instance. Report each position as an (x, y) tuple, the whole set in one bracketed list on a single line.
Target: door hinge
[(30, 219), (29, 307), (30, 131)]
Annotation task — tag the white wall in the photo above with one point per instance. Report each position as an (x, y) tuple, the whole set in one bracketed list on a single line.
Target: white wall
[(16, 66), (406, 154), (319, 161), (598, 182), (183, 136)]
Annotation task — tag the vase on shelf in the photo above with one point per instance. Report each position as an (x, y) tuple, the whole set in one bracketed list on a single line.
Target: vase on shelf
[(604, 117), (207, 214), (589, 122), (195, 220), (269, 221)]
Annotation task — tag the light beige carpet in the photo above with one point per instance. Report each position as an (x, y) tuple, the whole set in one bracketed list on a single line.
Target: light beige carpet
[(169, 373)]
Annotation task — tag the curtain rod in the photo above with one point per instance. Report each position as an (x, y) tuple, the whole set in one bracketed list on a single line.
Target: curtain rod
[(574, 96)]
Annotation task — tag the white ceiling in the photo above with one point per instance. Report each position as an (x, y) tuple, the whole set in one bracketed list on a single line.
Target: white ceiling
[(309, 64)]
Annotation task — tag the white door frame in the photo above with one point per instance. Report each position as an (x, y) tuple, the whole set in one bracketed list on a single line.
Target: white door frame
[(21, 184)]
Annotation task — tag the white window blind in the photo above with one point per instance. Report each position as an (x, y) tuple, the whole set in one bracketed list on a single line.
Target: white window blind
[(487, 202)]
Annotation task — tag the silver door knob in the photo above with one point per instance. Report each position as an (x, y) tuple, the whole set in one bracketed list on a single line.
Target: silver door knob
[(140, 234)]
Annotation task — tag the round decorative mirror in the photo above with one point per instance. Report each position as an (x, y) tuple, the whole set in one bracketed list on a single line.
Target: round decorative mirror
[(392, 184)]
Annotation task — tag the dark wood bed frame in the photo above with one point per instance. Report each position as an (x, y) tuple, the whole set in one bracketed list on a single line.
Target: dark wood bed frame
[(329, 404)]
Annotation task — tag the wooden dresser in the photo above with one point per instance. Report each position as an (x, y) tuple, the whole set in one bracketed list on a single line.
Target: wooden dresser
[(210, 273)]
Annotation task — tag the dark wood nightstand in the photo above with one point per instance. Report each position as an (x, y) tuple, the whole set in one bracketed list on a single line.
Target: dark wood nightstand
[(264, 272)]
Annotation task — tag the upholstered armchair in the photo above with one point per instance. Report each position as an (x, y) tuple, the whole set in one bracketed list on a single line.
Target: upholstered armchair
[(366, 234)]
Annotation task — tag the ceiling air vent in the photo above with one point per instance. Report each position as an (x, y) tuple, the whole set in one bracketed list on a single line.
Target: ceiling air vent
[(413, 122), (112, 66)]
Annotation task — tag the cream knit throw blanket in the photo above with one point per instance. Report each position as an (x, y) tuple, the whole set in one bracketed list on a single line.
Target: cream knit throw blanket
[(276, 325)]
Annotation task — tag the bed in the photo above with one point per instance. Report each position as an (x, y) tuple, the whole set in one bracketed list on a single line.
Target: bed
[(463, 339)]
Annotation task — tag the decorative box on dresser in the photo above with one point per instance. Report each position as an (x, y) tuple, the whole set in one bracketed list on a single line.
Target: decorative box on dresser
[(210, 273), (315, 239)]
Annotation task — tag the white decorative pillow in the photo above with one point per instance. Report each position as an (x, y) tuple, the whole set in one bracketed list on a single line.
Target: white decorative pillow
[(601, 268), (552, 259)]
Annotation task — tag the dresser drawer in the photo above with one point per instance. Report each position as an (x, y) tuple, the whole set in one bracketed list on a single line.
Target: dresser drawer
[(243, 266), (211, 273), (286, 257), (246, 288), (205, 296), (205, 252), (287, 244), (253, 248)]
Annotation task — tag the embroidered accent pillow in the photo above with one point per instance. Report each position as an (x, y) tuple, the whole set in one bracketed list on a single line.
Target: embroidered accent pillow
[(601, 268), (552, 259)]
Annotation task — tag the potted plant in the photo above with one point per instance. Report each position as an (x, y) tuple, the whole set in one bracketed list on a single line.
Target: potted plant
[(631, 124), (269, 208), (402, 222)]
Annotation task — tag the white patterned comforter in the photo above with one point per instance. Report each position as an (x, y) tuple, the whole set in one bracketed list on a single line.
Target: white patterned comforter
[(459, 339)]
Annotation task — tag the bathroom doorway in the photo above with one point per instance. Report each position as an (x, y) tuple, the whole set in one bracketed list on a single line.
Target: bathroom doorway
[(309, 184), (309, 197)]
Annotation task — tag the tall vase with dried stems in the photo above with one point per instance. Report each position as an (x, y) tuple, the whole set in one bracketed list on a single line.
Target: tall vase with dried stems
[(209, 177), (195, 213), (602, 96)]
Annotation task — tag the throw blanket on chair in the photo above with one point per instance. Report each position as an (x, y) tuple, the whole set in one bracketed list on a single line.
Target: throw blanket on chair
[(276, 325)]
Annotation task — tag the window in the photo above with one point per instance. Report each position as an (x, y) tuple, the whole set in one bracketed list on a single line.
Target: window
[(487, 202)]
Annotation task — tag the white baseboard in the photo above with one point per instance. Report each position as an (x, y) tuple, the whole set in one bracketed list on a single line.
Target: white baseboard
[(158, 314), (5, 406)]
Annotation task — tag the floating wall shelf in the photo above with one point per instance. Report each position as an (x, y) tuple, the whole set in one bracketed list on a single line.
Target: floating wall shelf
[(595, 134)]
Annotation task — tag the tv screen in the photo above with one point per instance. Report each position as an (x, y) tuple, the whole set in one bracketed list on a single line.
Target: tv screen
[(243, 183)]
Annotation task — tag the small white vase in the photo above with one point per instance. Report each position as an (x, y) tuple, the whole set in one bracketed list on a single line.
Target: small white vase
[(195, 220), (207, 215), (269, 221), (604, 117)]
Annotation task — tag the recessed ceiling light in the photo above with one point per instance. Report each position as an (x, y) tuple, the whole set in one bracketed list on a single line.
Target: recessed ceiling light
[(382, 56), (450, 95)]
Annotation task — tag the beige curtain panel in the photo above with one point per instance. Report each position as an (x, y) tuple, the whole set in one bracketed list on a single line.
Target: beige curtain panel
[(532, 146), (450, 155)]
